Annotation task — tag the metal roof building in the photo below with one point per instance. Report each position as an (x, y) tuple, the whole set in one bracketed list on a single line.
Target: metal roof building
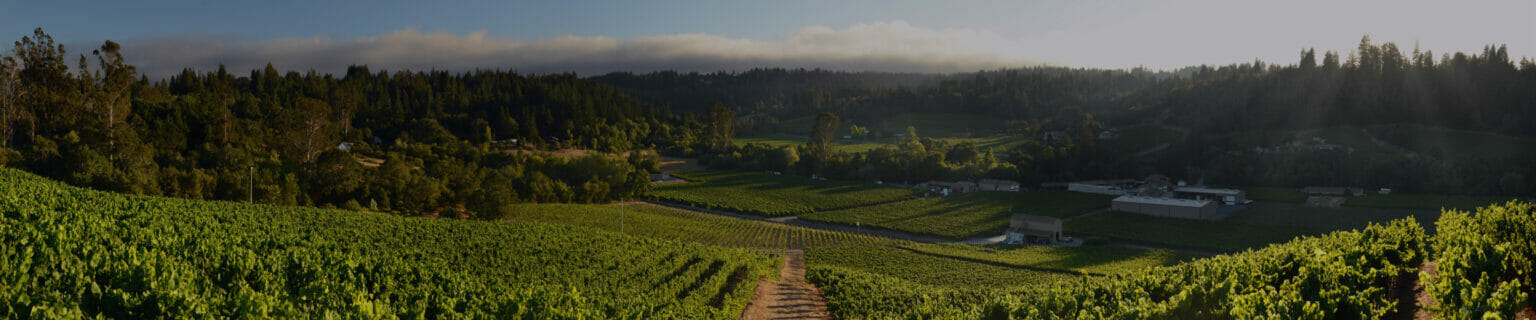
[(1226, 196), (1166, 207)]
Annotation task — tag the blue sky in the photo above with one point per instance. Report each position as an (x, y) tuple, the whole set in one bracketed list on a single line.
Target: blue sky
[(599, 36)]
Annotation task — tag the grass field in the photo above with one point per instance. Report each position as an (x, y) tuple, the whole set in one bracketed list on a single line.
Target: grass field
[(1214, 235), (772, 195), (930, 270), (1276, 194), (964, 215), (1104, 260), (1425, 201), (689, 226)]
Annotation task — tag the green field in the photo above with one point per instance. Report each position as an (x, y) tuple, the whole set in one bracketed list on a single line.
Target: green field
[(1102, 260), (772, 195), (690, 226), (1276, 194), (782, 140), (1213, 235), (1135, 139), (965, 215), (72, 253), (1425, 201), (942, 125), (930, 270), (1458, 145)]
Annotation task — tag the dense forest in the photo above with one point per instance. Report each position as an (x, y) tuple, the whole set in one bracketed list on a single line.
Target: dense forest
[(1220, 108), (419, 142)]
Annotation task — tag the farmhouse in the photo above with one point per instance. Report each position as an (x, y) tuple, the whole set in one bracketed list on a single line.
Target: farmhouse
[(1226, 196), (948, 188), (997, 185), (1166, 207), (1109, 187), (1024, 229)]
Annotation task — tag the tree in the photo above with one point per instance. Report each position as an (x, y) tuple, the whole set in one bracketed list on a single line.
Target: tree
[(821, 141), (858, 132), (116, 77), (310, 130), (1308, 59), (822, 132), (10, 94), (721, 127)]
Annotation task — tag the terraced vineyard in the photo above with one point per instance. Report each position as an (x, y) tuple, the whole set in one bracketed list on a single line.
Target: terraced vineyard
[(1084, 259), (683, 225), (1339, 275), (965, 215), (73, 253), (772, 195)]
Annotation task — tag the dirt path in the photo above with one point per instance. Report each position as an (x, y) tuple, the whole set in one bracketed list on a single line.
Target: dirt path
[(790, 297)]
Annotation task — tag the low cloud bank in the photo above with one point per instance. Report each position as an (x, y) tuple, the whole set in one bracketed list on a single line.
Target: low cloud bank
[(883, 46)]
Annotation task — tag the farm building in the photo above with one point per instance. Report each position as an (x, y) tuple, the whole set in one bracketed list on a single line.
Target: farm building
[(1024, 229), (1226, 196), (1166, 207), (948, 188), (1109, 187), (997, 185), (1333, 191)]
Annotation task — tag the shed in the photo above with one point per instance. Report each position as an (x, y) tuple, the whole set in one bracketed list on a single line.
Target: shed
[(1023, 229)]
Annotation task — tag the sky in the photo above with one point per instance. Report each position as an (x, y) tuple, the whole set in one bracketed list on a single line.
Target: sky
[(594, 37)]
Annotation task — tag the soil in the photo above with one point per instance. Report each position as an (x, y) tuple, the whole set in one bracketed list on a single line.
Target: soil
[(790, 297)]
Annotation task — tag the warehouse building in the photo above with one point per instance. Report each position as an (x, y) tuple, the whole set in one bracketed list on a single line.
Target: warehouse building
[(1225, 196), (1027, 229), (1166, 207)]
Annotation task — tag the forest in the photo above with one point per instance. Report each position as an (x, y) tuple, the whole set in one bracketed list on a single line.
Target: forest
[(432, 143)]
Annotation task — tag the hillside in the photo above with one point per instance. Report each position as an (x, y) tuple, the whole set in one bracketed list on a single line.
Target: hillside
[(74, 252)]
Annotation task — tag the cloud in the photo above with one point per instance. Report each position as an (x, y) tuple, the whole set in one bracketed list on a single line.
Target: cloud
[(882, 46)]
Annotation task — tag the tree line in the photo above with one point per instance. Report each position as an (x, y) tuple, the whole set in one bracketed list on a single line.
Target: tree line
[(452, 144)]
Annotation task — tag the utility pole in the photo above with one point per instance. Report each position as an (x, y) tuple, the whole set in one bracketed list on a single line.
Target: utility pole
[(621, 219), (252, 190)]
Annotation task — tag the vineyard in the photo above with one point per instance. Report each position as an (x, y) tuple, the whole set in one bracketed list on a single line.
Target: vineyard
[(772, 195), (929, 270), (77, 253), (1486, 262), (965, 215), (1340, 275), (1099, 260), (690, 226), (1214, 235)]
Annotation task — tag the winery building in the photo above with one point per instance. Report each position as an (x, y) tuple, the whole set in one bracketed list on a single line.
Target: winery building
[(1166, 207)]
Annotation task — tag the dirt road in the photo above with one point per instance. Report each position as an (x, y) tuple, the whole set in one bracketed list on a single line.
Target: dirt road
[(790, 297)]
